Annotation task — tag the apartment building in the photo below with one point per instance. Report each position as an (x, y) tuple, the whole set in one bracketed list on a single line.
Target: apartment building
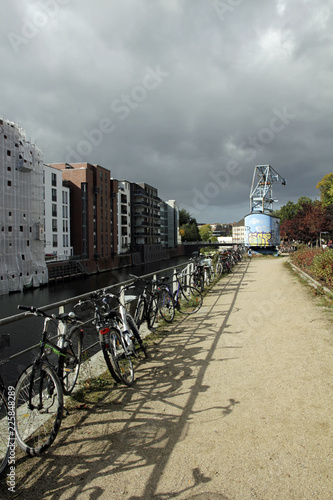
[(145, 215), (124, 216), (22, 260), (92, 216), (169, 223), (57, 224), (238, 233)]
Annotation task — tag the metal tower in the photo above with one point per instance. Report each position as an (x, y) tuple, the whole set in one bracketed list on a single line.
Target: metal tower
[(261, 196)]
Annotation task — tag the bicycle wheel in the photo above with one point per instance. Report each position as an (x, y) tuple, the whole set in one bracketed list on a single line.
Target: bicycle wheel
[(5, 433), (122, 360), (69, 367), (166, 305), (38, 408), (139, 313), (189, 300), (136, 337), (108, 353), (152, 312)]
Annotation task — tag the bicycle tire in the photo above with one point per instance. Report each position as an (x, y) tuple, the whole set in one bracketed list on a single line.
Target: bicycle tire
[(152, 311), (189, 300), (166, 305), (107, 350), (136, 337), (5, 432), (139, 313), (69, 367), (122, 361), (37, 427)]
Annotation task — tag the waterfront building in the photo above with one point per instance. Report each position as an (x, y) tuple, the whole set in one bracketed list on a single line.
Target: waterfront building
[(92, 214), (22, 259), (145, 221), (238, 233), (124, 216), (57, 224), (169, 222)]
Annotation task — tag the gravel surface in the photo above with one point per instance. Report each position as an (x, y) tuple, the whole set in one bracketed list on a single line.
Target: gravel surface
[(235, 403)]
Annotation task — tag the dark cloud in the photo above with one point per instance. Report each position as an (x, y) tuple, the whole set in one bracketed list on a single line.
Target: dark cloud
[(186, 96)]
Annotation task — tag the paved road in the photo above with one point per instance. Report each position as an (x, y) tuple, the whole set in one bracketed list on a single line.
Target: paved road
[(235, 403)]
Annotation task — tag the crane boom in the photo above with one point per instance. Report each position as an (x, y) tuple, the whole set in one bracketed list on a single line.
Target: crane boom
[(261, 195)]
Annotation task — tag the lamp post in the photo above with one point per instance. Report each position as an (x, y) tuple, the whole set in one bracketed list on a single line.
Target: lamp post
[(322, 232)]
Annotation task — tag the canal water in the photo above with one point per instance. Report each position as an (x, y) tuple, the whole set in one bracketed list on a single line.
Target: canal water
[(25, 333)]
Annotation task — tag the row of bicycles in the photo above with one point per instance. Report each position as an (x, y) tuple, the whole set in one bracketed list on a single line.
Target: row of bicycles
[(34, 415)]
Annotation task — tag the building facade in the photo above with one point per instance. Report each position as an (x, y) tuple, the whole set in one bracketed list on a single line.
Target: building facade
[(145, 215), (22, 259), (124, 217), (57, 224), (91, 212)]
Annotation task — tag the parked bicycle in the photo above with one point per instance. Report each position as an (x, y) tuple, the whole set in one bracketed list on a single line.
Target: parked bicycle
[(187, 299), (147, 305), (114, 338), (40, 388)]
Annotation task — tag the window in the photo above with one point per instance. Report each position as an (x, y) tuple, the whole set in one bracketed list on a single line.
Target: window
[(54, 179), (54, 240), (54, 195), (54, 210), (54, 225)]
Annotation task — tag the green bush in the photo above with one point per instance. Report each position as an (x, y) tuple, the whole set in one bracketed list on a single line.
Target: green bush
[(317, 261), (322, 266)]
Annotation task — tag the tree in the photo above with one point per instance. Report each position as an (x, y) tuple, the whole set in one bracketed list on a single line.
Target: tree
[(206, 232), (325, 187), (311, 219), (188, 227)]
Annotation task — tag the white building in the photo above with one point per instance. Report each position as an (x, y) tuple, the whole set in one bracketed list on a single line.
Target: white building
[(22, 260), (124, 216), (56, 215)]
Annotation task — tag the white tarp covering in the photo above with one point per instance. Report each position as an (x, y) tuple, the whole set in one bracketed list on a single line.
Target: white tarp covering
[(22, 258)]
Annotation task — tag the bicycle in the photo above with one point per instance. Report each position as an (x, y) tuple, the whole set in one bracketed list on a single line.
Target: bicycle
[(135, 343), (7, 428), (115, 345), (187, 299), (40, 389), (147, 305)]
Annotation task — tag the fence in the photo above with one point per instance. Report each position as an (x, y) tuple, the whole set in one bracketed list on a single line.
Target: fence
[(60, 307)]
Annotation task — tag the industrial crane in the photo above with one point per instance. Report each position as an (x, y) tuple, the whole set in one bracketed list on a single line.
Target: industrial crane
[(261, 195)]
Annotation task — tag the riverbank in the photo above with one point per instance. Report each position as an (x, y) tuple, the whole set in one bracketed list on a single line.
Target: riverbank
[(234, 403)]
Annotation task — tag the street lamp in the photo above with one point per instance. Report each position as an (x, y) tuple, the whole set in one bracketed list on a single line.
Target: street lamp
[(322, 232)]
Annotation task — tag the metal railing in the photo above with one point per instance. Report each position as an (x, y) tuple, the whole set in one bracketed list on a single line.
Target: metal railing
[(60, 306)]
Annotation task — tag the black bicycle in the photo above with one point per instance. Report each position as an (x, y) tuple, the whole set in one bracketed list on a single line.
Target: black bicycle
[(40, 388), (117, 347), (147, 305)]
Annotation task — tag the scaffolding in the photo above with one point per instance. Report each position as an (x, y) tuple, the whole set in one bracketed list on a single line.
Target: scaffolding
[(22, 257)]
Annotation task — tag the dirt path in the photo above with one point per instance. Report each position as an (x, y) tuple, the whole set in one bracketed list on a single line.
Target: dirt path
[(235, 403)]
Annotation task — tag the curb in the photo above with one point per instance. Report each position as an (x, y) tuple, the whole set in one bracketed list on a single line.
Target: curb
[(312, 282)]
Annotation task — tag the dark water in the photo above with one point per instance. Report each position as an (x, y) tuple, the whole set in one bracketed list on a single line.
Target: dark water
[(27, 332)]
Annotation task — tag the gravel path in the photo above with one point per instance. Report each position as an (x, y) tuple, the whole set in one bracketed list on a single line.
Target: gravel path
[(235, 403)]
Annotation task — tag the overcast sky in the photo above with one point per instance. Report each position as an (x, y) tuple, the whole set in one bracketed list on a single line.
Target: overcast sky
[(185, 95)]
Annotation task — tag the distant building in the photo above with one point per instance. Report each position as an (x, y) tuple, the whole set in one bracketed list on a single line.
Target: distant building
[(57, 224), (238, 233), (124, 216), (169, 224), (91, 212), (145, 215), (22, 260)]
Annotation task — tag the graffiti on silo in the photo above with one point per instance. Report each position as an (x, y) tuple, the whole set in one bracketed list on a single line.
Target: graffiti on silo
[(262, 230)]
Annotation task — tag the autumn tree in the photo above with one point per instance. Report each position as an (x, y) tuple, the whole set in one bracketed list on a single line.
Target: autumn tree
[(206, 232), (188, 227), (325, 187)]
